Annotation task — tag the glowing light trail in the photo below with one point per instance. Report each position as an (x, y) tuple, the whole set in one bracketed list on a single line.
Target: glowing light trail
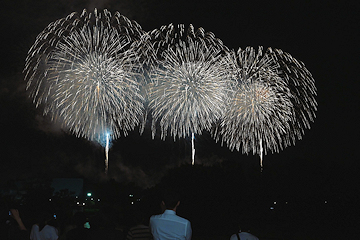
[(107, 153), (193, 148)]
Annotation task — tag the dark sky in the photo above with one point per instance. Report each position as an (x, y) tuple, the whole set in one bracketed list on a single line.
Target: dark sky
[(322, 34)]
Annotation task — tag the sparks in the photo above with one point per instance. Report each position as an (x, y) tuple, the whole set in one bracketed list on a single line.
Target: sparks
[(264, 113), (82, 70)]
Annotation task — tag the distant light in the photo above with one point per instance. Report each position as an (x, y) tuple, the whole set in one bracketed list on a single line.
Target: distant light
[(77, 203), (132, 202), (91, 199), (77, 197), (271, 208), (325, 201), (89, 194), (83, 204), (98, 199), (138, 199), (87, 225), (286, 202), (49, 199), (275, 203), (130, 195)]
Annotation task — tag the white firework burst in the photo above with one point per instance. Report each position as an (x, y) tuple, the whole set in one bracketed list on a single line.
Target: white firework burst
[(82, 69), (187, 85), (183, 66), (302, 89), (264, 112), (190, 89)]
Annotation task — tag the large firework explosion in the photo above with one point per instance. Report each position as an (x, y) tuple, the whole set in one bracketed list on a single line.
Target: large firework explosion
[(272, 104), (187, 85), (82, 69), (190, 91), (302, 88), (101, 75), (187, 82)]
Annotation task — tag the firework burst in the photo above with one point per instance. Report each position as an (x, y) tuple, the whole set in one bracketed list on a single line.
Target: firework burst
[(189, 86), (264, 112), (302, 89), (81, 69), (190, 90)]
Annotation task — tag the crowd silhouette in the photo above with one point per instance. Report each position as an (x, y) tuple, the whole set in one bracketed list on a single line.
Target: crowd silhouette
[(214, 199), (106, 221)]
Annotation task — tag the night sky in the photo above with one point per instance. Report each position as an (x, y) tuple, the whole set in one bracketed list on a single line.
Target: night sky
[(322, 34)]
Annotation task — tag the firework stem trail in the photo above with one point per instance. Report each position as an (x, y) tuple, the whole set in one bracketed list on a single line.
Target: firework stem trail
[(193, 148), (107, 153)]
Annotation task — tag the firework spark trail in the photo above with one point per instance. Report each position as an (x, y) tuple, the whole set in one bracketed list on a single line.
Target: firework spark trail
[(152, 45), (107, 153), (82, 69), (193, 148), (302, 88), (265, 112)]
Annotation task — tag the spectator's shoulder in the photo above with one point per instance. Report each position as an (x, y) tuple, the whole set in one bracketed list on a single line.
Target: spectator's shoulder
[(181, 219), (155, 216)]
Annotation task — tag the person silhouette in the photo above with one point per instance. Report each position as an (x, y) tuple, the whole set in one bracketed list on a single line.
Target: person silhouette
[(168, 225)]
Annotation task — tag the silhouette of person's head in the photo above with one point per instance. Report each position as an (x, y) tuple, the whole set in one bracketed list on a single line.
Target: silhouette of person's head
[(171, 200)]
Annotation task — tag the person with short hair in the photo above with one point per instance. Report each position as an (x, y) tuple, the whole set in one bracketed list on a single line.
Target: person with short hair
[(168, 225)]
